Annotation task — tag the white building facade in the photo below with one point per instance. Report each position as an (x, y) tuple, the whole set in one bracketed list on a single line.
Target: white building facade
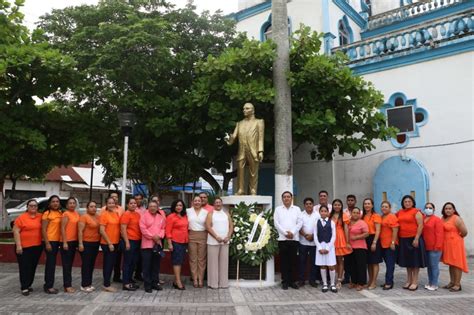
[(419, 54)]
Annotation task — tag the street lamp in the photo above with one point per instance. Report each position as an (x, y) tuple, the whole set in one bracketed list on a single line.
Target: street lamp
[(126, 121)]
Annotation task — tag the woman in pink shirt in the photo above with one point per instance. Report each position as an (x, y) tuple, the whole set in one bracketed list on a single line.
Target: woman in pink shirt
[(152, 227), (356, 262)]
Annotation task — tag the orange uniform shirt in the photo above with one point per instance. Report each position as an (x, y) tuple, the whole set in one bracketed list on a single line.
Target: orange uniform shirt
[(132, 220), (30, 229), (71, 226), (118, 209), (371, 220), (389, 222), (111, 221), (407, 221), (91, 228), (53, 232)]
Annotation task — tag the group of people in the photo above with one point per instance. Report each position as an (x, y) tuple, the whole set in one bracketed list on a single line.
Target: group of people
[(132, 242), (343, 245), (346, 245)]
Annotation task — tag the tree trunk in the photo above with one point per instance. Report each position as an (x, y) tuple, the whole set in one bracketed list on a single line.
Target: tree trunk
[(283, 131), (4, 214), (211, 180)]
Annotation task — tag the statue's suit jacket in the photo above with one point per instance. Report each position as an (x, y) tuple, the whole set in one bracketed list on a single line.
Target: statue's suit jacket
[(250, 137)]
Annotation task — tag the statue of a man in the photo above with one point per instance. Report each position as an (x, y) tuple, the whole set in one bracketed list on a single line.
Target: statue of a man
[(250, 132)]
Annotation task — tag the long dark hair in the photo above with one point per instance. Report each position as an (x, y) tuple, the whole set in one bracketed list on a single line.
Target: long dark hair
[(409, 197), (340, 212), (363, 208), (48, 208), (175, 203), (452, 205)]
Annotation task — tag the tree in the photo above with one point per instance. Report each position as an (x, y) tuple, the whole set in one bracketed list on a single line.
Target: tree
[(332, 108), (140, 56), (282, 106), (30, 141)]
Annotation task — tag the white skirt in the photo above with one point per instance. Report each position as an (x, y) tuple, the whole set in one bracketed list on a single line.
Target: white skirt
[(328, 259)]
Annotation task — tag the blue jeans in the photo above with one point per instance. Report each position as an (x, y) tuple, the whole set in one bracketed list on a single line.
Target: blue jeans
[(390, 257), (108, 262), (130, 260), (303, 252), (433, 266)]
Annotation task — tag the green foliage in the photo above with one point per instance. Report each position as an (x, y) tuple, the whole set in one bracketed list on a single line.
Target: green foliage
[(132, 56), (242, 227), (31, 137), (332, 108)]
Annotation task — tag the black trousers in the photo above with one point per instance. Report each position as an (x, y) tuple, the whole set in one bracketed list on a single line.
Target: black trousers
[(67, 259), (50, 266), (108, 262), (356, 263), (88, 257), (288, 251), (118, 260), (151, 267), (27, 263)]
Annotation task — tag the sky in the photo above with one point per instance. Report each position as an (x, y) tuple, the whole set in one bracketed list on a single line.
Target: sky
[(33, 9)]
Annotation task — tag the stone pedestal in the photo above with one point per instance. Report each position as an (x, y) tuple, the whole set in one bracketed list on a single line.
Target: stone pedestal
[(266, 203)]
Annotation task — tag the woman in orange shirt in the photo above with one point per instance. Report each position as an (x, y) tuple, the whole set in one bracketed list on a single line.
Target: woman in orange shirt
[(374, 253), (341, 244), (110, 236), (388, 242), (27, 234), (454, 252), (89, 237), (51, 231), (69, 237), (177, 235), (411, 253), (131, 235)]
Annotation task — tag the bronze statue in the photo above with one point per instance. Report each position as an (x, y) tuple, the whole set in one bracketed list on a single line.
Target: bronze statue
[(250, 132)]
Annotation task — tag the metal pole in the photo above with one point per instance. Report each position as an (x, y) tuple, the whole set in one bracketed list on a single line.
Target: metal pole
[(124, 175), (92, 179)]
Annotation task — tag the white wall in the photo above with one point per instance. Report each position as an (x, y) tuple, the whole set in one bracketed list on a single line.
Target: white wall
[(380, 6), (244, 4), (335, 14), (51, 188)]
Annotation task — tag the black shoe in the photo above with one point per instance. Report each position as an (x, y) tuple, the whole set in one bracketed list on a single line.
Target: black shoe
[(175, 285), (300, 284), (325, 288), (345, 281), (118, 280), (294, 286), (51, 291), (284, 286), (333, 289), (138, 278), (387, 287), (30, 289), (148, 290), (132, 281), (313, 284), (157, 287), (129, 287), (25, 292)]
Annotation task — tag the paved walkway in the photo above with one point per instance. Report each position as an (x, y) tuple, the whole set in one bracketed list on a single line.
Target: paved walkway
[(272, 300)]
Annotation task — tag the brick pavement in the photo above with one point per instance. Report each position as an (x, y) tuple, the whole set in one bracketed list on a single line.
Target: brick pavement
[(271, 300)]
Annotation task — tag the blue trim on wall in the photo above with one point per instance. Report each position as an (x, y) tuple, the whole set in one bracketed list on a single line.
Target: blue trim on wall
[(418, 19), (345, 21), (416, 57), (325, 9), (328, 42), (350, 12), (268, 23), (251, 11)]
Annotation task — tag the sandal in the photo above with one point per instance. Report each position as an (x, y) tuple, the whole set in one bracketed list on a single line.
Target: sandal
[(51, 291), (448, 286), (455, 288), (195, 284), (406, 286), (69, 290), (413, 288)]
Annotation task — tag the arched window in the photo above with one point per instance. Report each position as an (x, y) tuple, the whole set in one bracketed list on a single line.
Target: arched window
[(367, 7), (266, 29), (344, 38)]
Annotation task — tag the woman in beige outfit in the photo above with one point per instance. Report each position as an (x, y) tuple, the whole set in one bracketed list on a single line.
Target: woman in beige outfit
[(197, 241), (219, 225)]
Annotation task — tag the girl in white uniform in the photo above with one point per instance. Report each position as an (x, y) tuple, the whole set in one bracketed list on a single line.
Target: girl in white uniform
[(325, 237)]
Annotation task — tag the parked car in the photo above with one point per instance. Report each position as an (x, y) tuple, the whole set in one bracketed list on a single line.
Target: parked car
[(15, 212)]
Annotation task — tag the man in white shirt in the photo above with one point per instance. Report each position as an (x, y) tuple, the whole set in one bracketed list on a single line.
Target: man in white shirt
[(323, 201), (288, 224), (307, 246)]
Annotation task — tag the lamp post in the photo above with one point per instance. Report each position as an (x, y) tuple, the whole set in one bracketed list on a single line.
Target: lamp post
[(126, 121)]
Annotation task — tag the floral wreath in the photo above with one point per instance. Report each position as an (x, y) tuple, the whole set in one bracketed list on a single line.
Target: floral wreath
[(254, 240)]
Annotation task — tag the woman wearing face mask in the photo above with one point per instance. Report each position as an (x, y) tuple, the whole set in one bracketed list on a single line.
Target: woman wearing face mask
[(433, 234)]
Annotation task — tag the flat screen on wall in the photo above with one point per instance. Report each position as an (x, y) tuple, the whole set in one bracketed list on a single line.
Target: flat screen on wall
[(402, 118)]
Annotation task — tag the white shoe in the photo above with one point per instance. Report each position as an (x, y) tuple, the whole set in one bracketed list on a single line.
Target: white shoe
[(92, 288), (432, 288), (87, 289), (427, 286)]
